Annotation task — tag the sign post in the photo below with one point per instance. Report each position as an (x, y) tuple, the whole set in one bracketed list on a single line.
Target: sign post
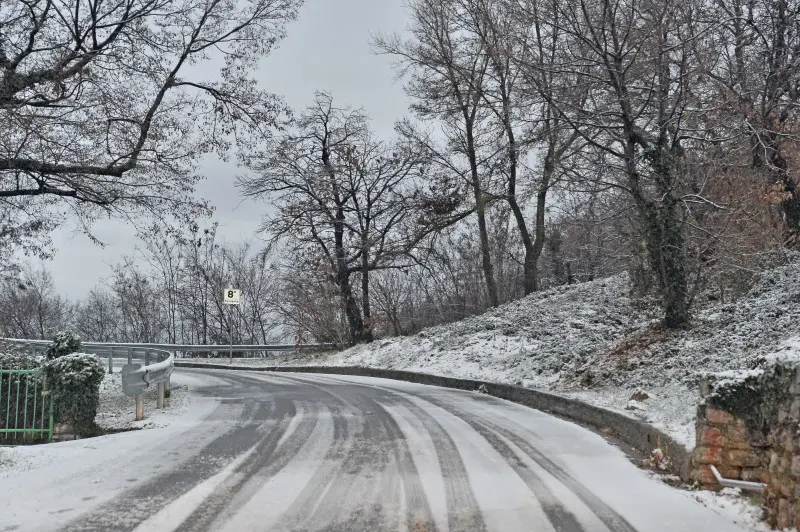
[(231, 296)]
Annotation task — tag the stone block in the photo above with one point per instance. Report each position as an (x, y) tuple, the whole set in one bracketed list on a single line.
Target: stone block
[(710, 437), (736, 433), (718, 417), (739, 446), (795, 466), (730, 471), (708, 455), (704, 476), (742, 458)]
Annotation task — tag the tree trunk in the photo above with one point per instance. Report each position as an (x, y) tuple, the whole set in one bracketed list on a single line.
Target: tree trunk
[(529, 281), (355, 324), (480, 210), (778, 171), (538, 243), (665, 246), (791, 213), (367, 335), (486, 255), (533, 246)]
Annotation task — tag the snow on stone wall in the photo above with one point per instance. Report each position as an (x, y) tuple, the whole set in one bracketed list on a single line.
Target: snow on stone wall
[(747, 427)]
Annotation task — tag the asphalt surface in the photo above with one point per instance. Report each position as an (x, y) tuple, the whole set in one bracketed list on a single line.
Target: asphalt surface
[(302, 452)]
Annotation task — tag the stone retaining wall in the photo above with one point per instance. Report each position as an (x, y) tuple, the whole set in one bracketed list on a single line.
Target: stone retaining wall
[(749, 428), (725, 442), (634, 432)]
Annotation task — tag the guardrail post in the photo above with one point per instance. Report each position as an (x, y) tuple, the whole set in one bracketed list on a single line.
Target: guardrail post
[(139, 407), (130, 357), (110, 360), (161, 390), (147, 356)]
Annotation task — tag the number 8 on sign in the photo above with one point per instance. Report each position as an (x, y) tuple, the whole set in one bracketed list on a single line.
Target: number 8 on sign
[(231, 296)]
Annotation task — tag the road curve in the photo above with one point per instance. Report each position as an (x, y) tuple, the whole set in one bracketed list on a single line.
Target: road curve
[(303, 452)]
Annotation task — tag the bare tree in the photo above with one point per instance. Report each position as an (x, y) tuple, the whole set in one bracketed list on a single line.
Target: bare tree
[(446, 73), (342, 192), (98, 317), (138, 299), (30, 307), (99, 108), (309, 304), (637, 63), (523, 120), (758, 85)]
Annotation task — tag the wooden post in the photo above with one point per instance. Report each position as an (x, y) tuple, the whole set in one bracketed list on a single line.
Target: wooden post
[(162, 386), (130, 356), (110, 360), (139, 407)]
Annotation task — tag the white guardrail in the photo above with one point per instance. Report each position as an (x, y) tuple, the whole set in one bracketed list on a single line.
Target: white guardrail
[(157, 361)]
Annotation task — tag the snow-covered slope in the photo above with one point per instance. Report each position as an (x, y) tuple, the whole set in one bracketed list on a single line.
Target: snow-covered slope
[(592, 341), (532, 341)]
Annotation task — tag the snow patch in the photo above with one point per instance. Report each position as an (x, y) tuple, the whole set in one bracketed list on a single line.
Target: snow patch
[(117, 410), (730, 503)]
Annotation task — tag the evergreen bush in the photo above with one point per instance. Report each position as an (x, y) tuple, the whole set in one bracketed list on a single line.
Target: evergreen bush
[(64, 343), (74, 380)]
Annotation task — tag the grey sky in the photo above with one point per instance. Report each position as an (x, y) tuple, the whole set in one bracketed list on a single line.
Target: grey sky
[(327, 48)]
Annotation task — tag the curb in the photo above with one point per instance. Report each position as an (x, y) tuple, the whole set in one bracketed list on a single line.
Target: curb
[(638, 434)]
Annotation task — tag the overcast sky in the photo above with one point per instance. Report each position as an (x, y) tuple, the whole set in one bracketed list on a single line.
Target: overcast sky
[(327, 48)]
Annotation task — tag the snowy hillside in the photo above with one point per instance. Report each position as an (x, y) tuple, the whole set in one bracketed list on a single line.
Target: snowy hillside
[(590, 341)]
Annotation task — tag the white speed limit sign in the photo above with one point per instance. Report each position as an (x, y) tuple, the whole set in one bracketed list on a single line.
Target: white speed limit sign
[(231, 296)]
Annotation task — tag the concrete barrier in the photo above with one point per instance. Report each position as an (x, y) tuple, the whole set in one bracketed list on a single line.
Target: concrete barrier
[(636, 433)]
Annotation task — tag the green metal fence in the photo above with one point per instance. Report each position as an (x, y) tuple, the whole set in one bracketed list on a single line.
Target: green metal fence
[(26, 408)]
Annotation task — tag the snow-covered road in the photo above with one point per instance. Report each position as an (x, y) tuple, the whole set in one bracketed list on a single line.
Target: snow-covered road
[(304, 452)]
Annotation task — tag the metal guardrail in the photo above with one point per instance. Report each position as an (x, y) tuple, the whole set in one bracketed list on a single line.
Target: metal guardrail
[(181, 348), (156, 367), (195, 348), (130, 351), (157, 360)]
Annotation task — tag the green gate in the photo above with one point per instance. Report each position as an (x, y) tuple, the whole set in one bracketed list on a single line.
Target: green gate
[(26, 408)]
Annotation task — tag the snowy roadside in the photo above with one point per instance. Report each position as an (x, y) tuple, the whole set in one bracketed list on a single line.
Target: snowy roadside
[(116, 410), (115, 413), (731, 503)]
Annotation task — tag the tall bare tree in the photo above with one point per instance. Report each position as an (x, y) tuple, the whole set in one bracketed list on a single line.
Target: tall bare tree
[(638, 62), (342, 192), (446, 72)]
